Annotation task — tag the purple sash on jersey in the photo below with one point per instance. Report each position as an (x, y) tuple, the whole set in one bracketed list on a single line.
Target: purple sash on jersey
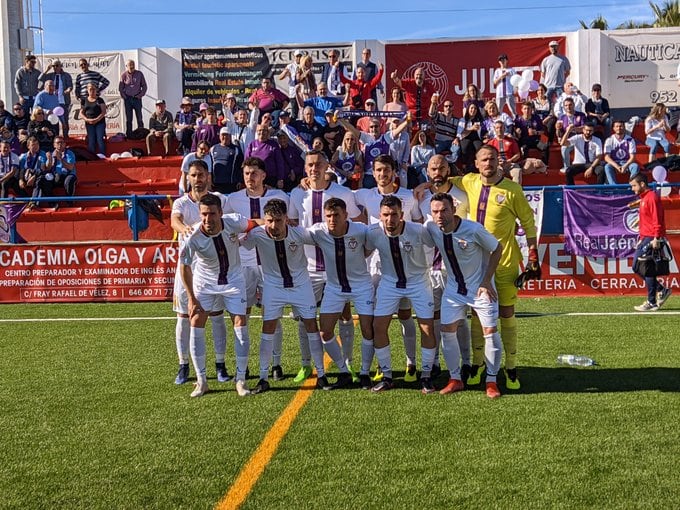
[(455, 267), (340, 264), (437, 260), (398, 262), (280, 248), (317, 217), (223, 259), (255, 215), (482, 204)]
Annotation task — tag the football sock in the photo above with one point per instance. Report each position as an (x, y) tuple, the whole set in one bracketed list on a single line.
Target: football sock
[(427, 356), (408, 329), (316, 347), (492, 355), (278, 344), (367, 352), (437, 339), (509, 337), (182, 330), (305, 353), (332, 347), (197, 348), (477, 341), (463, 334), (266, 343), (451, 350), (384, 356), (241, 348), (346, 330), (219, 333)]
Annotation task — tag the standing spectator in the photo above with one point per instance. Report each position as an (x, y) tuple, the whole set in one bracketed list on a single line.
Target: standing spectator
[(421, 152), (361, 88), (63, 85), (597, 110), (268, 151), (132, 88), (290, 72), (470, 133), (62, 162), (330, 75), (160, 127), (208, 131), (26, 83), (93, 112), (656, 127), (243, 128), (528, 129), (445, 125), (9, 171), (321, 102), (504, 89), (619, 153), (88, 76), (293, 161), (397, 103), (652, 230), (229, 107), (305, 82), (587, 154), (267, 99), (370, 72), (227, 160), (185, 124), (40, 128), (417, 94), (472, 95), (554, 71)]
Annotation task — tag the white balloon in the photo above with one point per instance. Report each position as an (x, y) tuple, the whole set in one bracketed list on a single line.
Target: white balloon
[(114, 156), (524, 85), (515, 79), (523, 94), (53, 119), (527, 75), (126, 154), (59, 111)]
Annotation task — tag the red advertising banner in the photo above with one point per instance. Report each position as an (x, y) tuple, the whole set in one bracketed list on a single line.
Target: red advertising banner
[(454, 65), (99, 272), (575, 275)]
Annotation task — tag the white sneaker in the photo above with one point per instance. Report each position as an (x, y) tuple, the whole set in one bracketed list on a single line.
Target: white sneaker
[(241, 389), (647, 307), (101, 156), (563, 170), (200, 387), (662, 297)]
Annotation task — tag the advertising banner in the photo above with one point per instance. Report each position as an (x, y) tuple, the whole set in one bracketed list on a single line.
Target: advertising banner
[(642, 67), (89, 273), (535, 199)]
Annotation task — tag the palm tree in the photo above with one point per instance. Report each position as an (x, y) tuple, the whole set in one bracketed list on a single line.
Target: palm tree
[(667, 15), (598, 23)]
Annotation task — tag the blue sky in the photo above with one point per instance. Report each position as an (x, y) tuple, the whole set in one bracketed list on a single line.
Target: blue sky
[(79, 25)]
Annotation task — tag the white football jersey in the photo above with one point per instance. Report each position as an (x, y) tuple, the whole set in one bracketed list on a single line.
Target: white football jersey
[(252, 208), (402, 258), (189, 210), (215, 259), (370, 200), (284, 263), (306, 206), (465, 252), (344, 256)]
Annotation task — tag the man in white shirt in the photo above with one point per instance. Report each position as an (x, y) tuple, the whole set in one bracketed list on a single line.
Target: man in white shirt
[(619, 153), (211, 273), (249, 202), (243, 128), (504, 89), (587, 154), (405, 274), (471, 255)]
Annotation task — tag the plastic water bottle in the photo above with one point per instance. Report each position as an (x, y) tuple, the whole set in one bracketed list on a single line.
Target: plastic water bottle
[(574, 360)]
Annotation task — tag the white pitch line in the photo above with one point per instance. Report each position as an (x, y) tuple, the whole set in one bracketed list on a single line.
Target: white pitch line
[(669, 312), (95, 319)]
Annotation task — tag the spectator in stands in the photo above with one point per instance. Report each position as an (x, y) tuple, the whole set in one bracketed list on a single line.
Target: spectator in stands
[(330, 75), (321, 102), (543, 109), (348, 162), (508, 151), (587, 154), (185, 125), (268, 151), (268, 100), (308, 128), (33, 172), (160, 127), (400, 149), (293, 161), (370, 71), (445, 125), (471, 132), (6, 119), (619, 153), (202, 112), (492, 115), (417, 95), (8, 136), (21, 120), (554, 71), (88, 76), (62, 162), (267, 120), (48, 100), (656, 127), (504, 90), (572, 92), (132, 88), (227, 158), (243, 128), (290, 72), (570, 118), (421, 152), (333, 133), (528, 129), (397, 103), (40, 128), (26, 83), (9, 171), (202, 152), (472, 95), (361, 88), (305, 81), (363, 122), (597, 111), (229, 107), (63, 85), (93, 112), (208, 131)]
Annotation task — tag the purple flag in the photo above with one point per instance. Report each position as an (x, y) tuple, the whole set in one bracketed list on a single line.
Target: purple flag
[(599, 225), (9, 214)]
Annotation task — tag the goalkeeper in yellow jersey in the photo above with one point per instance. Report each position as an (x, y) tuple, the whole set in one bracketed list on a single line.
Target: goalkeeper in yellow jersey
[(497, 203)]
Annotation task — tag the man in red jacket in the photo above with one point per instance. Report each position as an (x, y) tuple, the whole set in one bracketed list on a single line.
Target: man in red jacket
[(652, 230)]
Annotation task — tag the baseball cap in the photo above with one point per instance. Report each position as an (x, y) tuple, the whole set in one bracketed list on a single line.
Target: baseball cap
[(298, 52), (284, 113), (370, 100), (160, 101), (553, 43), (329, 112), (502, 56), (204, 106), (225, 131), (186, 100)]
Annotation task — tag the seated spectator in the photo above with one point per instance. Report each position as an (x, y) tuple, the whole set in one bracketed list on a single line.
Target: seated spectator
[(185, 125), (472, 95), (528, 129), (293, 161), (62, 162), (471, 132), (9, 171), (363, 122), (227, 161), (40, 128), (445, 125), (492, 115), (317, 144), (208, 131), (308, 128), (504, 90), (587, 154), (6, 118), (160, 127), (656, 127), (421, 152), (93, 112), (48, 100), (397, 103), (321, 102), (268, 150), (569, 118), (597, 111), (7, 135), (360, 89), (543, 109), (33, 172), (20, 120), (267, 99), (348, 162), (203, 153), (508, 151), (572, 92), (619, 154), (333, 133), (418, 93)]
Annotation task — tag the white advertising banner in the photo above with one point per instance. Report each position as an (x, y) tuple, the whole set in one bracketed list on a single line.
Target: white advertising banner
[(535, 199), (642, 67)]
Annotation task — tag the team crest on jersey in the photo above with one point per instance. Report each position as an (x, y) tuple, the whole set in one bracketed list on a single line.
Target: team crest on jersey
[(375, 152), (500, 199), (462, 244), (407, 247), (347, 166), (352, 243), (293, 246), (233, 237)]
